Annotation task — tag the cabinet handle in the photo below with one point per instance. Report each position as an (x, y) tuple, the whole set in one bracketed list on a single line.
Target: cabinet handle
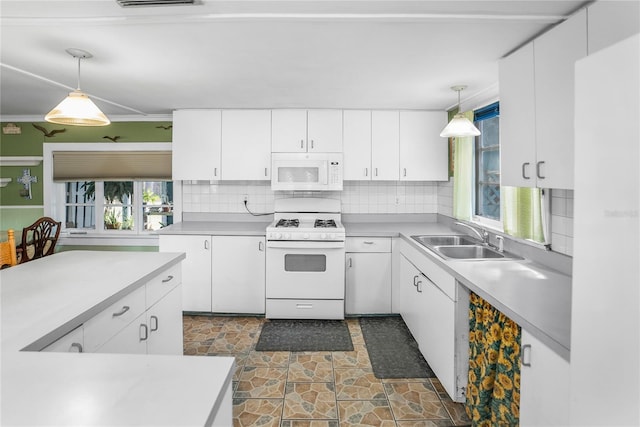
[(312, 144), (206, 244), (77, 346), (168, 279), (144, 328), (350, 262), (538, 167), (215, 171), (260, 246), (405, 172), (524, 166), (415, 278), (304, 306), (302, 143), (367, 242), (366, 171), (121, 312), (526, 361), (151, 319), (419, 286), (266, 173), (376, 171)]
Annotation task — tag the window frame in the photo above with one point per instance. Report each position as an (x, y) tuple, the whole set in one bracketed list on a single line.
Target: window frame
[(55, 198)]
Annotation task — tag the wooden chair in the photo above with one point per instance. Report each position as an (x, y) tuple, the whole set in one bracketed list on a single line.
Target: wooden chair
[(8, 255), (39, 239)]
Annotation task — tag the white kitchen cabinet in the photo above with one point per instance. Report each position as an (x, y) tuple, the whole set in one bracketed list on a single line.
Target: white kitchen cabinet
[(536, 107), (371, 145), (556, 52), (423, 153), (368, 275), (164, 320), (196, 145), (73, 342), (385, 145), (196, 269), (246, 145), (129, 340), (544, 385), (409, 305), (611, 22), (306, 131), (238, 284)]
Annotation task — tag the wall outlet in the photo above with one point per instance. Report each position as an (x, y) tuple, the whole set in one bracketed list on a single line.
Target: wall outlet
[(245, 198)]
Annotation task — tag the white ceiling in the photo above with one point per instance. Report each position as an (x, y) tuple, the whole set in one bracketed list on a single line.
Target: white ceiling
[(373, 54)]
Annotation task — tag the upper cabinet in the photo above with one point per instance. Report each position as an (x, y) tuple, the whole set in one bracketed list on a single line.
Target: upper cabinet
[(371, 145), (537, 105), (306, 131), (611, 22), (246, 145), (196, 144), (423, 153)]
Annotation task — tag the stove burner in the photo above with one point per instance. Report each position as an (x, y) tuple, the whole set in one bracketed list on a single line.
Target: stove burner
[(288, 223), (324, 223)]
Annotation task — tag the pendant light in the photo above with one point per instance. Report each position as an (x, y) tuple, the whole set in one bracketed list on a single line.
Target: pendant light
[(459, 125), (77, 109)]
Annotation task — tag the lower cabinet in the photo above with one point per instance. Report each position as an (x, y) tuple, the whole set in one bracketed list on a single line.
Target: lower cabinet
[(435, 308), (222, 274), (368, 276), (544, 384)]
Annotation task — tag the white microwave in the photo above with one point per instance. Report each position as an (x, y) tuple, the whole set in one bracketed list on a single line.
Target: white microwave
[(306, 171)]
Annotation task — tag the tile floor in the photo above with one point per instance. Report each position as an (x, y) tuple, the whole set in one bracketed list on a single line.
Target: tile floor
[(315, 389)]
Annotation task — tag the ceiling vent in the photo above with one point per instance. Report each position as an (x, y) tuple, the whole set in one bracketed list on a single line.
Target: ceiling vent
[(143, 3)]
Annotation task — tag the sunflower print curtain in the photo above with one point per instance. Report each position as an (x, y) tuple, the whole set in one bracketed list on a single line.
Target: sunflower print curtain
[(493, 390)]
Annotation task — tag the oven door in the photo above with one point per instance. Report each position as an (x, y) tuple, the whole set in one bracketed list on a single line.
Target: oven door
[(305, 270)]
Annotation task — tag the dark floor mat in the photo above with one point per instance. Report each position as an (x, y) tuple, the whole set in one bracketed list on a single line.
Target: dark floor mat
[(392, 349), (304, 335)]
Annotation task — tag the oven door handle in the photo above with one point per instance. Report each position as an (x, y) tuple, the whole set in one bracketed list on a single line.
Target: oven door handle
[(305, 244)]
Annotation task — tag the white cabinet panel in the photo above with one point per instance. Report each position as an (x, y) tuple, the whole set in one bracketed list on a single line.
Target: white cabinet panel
[(196, 269), (517, 119), (288, 131), (130, 340), (164, 320), (357, 145), (368, 283), (423, 153), (540, 403), (324, 131), (555, 55), (196, 144), (611, 22), (238, 284), (408, 305), (385, 145), (246, 145)]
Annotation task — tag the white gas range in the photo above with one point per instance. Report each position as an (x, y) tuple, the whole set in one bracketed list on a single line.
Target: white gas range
[(305, 260)]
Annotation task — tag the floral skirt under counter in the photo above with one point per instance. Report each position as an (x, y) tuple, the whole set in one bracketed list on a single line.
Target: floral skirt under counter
[(493, 391)]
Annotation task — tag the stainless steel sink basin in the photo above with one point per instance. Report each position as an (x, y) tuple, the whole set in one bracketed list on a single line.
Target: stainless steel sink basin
[(468, 252), (453, 240)]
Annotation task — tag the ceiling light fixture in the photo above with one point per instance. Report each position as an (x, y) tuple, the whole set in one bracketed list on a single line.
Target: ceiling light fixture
[(77, 109), (459, 125)]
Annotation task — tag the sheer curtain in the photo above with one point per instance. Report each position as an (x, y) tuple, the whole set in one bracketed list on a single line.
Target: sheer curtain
[(522, 213)]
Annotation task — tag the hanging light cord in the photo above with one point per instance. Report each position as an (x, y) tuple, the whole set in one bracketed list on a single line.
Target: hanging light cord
[(79, 59)]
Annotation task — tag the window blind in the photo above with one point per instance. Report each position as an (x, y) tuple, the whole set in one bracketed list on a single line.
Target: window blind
[(111, 165), (487, 112)]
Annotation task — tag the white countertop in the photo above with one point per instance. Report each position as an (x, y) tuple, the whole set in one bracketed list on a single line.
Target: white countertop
[(218, 228), (45, 298)]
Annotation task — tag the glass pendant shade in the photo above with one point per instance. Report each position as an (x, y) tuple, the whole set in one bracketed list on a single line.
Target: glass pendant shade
[(459, 126), (77, 110)]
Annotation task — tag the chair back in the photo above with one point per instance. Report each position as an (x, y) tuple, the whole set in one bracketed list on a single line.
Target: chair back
[(8, 250), (39, 239)]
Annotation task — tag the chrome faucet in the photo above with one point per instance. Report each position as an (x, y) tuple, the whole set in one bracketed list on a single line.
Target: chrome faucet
[(482, 235)]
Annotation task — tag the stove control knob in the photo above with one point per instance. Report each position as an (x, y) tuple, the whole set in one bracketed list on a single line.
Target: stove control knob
[(305, 236), (278, 235), (331, 235), (287, 236), (323, 236)]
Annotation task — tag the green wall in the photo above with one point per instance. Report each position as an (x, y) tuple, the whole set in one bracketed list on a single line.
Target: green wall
[(15, 211)]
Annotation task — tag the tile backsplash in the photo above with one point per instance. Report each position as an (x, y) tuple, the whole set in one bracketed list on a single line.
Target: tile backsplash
[(562, 221), (359, 197)]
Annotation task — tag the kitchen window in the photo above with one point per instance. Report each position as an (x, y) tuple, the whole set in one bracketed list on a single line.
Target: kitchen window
[(486, 203)]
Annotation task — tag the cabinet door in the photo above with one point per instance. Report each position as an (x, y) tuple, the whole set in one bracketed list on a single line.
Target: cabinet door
[(164, 320), (357, 145), (540, 404), (238, 274), (611, 22), (324, 131), (246, 145), (73, 342), (385, 145), (288, 131), (368, 283), (409, 308), (517, 119), (555, 55), (196, 269), (196, 144), (423, 153), (130, 340)]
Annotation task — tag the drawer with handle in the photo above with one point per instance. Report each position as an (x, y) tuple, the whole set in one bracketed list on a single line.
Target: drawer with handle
[(368, 244), (116, 317), (164, 282)]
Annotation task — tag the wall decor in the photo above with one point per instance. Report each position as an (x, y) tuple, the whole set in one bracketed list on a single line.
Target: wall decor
[(48, 134), (26, 180)]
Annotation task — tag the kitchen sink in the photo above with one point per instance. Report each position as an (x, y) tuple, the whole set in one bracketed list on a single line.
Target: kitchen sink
[(469, 252), (453, 240)]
